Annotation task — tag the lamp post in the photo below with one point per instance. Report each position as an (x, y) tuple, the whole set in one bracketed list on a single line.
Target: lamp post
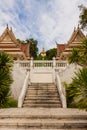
[(43, 53)]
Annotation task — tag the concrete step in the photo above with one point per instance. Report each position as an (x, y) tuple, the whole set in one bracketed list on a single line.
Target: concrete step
[(45, 95), (42, 105), (7, 128), (43, 123), (40, 90), (41, 101), (43, 119), (43, 84)]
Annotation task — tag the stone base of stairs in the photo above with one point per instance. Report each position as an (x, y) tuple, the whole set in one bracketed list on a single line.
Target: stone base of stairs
[(43, 95), (43, 119)]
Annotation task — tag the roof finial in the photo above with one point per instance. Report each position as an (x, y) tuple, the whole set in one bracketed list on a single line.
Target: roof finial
[(11, 28), (74, 29), (7, 26), (78, 26)]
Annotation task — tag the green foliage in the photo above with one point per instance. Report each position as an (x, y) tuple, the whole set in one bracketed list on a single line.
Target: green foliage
[(6, 62), (11, 102), (51, 53), (33, 47), (79, 55), (5, 77), (77, 90), (20, 41), (83, 53), (83, 17), (74, 56), (39, 57)]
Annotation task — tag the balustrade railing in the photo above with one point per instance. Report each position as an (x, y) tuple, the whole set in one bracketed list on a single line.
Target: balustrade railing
[(61, 91), (42, 63), (61, 63), (24, 63), (23, 91)]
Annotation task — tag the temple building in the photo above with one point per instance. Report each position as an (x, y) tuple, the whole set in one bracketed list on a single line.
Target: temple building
[(10, 45), (75, 41)]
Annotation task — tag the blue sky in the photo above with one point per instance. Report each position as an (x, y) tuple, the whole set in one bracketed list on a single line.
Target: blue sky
[(48, 21)]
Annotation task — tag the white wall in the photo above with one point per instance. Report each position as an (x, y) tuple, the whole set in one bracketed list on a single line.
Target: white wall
[(42, 75), (67, 74), (18, 77)]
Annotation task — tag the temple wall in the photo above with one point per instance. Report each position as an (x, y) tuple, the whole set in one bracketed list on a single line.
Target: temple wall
[(18, 77), (67, 74)]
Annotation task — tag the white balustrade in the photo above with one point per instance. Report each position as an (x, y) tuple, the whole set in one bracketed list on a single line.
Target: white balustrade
[(41, 63), (61, 91), (23, 91), (24, 64), (61, 63)]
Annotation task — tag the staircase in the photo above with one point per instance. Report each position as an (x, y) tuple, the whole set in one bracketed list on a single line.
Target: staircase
[(43, 95), (42, 119)]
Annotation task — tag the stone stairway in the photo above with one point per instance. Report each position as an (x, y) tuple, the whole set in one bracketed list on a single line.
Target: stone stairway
[(43, 95), (43, 119)]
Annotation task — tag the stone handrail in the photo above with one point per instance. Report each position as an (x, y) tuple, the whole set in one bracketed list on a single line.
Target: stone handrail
[(24, 63), (61, 63), (23, 91), (42, 63), (61, 92)]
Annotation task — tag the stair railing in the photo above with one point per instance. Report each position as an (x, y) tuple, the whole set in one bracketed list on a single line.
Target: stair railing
[(61, 92), (23, 91)]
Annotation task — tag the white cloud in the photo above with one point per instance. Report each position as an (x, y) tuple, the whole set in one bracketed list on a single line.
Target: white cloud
[(45, 20)]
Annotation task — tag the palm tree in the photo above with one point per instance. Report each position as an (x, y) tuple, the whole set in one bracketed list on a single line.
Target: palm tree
[(77, 90), (5, 77), (74, 56), (6, 61), (33, 49), (83, 53)]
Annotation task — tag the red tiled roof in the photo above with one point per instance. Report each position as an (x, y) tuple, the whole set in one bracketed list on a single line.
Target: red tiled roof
[(61, 47), (24, 48)]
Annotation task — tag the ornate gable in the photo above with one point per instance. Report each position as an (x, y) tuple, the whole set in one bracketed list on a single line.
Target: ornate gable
[(8, 44), (8, 36), (77, 36), (75, 41)]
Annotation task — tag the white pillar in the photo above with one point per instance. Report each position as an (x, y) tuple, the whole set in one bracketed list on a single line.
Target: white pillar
[(54, 62), (54, 67), (31, 62)]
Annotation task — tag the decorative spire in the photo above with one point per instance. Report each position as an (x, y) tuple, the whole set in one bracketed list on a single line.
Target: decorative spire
[(11, 28), (78, 26), (74, 29), (7, 26), (43, 53)]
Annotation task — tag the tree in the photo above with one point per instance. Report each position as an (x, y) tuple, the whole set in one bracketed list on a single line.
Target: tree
[(6, 62), (83, 17), (74, 56), (5, 77), (77, 90), (20, 41), (51, 53), (79, 56), (83, 53), (33, 47)]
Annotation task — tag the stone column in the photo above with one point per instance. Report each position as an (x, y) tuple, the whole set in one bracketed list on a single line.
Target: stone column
[(54, 62), (31, 63)]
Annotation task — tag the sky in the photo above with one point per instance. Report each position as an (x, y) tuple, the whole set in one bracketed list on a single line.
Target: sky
[(47, 21)]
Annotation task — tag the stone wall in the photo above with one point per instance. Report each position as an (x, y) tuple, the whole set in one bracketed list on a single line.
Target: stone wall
[(19, 75), (67, 74)]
